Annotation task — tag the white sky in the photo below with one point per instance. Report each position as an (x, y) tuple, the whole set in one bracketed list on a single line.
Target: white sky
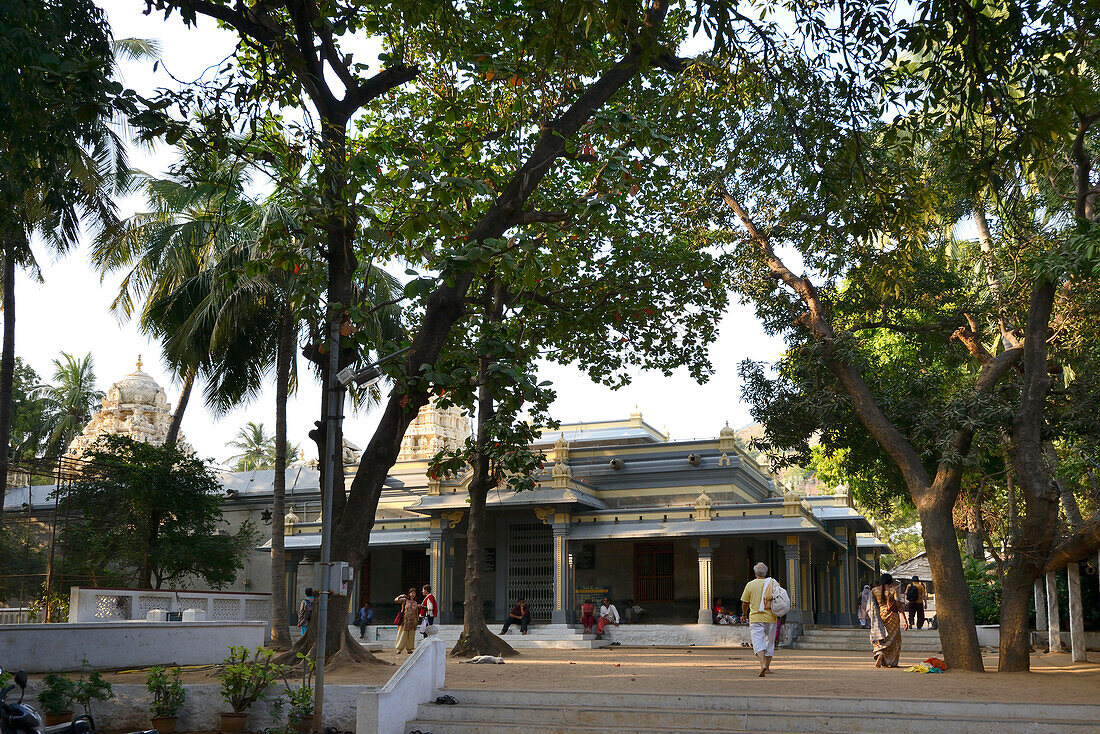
[(70, 311)]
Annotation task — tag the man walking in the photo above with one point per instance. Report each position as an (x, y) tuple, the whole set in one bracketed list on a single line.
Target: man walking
[(756, 605), (916, 596), (364, 619)]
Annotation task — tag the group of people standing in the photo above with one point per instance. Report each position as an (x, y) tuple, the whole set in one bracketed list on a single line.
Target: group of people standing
[(882, 612), (414, 615)]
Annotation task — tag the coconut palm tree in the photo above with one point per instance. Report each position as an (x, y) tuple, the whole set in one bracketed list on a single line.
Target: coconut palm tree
[(252, 443), (62, 159), (71, 399)]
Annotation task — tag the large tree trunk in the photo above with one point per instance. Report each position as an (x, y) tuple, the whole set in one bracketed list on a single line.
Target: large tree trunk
[(954, 612), (1015, 617), (7, 366), (476, 639), (1036, 529), (280, 632), (181, 407)]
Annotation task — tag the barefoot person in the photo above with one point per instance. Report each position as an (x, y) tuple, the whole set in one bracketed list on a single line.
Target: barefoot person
[(884, 610), (608, 615), (762, 623), (410, 618)]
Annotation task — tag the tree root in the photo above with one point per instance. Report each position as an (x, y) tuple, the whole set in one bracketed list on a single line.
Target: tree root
[(480, 641), (349, 651)]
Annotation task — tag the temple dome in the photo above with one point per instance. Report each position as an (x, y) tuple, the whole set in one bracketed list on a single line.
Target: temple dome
[(136, 406), (137, 388)]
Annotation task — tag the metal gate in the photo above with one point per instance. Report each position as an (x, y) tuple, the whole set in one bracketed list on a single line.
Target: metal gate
[(531, 567)]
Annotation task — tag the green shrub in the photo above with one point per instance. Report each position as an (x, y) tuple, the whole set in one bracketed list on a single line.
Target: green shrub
[(985, 590), (168, 693), (244, 680), (92, 689), (56, 696)]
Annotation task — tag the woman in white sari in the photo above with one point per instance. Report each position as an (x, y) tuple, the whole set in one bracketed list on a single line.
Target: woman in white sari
[(864, 600)]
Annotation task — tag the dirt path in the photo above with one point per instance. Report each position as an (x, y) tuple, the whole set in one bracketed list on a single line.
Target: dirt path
[(732, 671)]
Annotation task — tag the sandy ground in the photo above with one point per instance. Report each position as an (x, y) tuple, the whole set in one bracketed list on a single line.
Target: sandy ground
[(1055, 679)]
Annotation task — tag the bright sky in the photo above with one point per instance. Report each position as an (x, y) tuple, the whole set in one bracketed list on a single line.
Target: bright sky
[(70, 311)]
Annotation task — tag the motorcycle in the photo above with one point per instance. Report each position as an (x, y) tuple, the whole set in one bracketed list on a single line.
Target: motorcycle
[(22, 718)]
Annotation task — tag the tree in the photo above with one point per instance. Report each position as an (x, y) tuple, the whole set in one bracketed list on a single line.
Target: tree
[(72, 399), (58, 156), (152, 514), (252, 444), (31, 415)]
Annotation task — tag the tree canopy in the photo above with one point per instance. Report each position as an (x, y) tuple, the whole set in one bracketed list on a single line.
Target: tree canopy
[(151, 515)]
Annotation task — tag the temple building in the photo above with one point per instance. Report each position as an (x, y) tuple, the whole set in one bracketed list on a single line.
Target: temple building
[(137, 407), (621, 511)]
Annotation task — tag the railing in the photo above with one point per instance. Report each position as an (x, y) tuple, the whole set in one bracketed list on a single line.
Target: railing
[(109, 605), (15, 615)]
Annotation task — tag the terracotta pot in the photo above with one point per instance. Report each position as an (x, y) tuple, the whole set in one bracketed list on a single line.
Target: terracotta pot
[(164, 724), (305, 726), (233, 723), (65, 718)]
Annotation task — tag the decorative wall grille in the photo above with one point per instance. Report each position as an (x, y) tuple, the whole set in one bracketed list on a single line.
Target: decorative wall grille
[(257, 610), (193, 602), (531, 568), (109, 606), (148, 603), (226, 609)]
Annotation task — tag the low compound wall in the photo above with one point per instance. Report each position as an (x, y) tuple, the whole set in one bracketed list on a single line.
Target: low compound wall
[(129, 710), (418, 680), (112, 605), (46, 647)]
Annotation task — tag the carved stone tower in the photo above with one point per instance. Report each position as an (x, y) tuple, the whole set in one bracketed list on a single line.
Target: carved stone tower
[(434, 430)]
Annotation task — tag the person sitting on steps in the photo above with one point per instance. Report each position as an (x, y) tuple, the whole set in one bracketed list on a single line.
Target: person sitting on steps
[(520, 613)]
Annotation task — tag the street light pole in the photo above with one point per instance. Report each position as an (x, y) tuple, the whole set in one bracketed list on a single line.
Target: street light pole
[(335, 382), (333, 414)]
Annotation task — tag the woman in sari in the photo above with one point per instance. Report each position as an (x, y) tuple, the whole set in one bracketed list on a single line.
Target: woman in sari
[(884, 611), (410, 619)]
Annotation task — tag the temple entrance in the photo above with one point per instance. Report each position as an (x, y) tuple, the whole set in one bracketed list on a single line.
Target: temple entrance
[(531, 568)]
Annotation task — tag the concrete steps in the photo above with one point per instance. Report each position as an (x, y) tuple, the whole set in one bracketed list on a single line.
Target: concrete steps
[(557, 637), (568, 712), (856, 640)]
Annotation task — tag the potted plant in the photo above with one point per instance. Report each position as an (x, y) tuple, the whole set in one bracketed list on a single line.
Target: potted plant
[(94, 688), (299, 699), (56, 698), (168, 696), (245, 681), (300, 714)]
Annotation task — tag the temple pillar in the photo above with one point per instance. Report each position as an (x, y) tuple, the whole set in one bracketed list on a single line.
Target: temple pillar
[(792, 557), (1076, 613), (1040, 594), (441, 556), (563, 602), (1054, 621), (706, 586)]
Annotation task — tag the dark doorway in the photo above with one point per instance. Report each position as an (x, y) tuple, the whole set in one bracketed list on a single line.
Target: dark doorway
[(416, 570)]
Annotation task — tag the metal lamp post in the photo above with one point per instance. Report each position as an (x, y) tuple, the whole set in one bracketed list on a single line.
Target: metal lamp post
[(334, 415)]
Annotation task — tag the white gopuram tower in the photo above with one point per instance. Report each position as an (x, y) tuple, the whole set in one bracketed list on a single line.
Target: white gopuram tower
[(434, 430)]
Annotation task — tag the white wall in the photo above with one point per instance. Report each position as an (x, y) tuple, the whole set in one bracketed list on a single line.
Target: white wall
[(417, 681), (46, 647)]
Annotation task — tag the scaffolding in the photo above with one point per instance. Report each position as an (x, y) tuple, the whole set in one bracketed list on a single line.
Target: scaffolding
[(39, 579)]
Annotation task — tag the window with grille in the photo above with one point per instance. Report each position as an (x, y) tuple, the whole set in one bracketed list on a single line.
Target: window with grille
[(653, 572)]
